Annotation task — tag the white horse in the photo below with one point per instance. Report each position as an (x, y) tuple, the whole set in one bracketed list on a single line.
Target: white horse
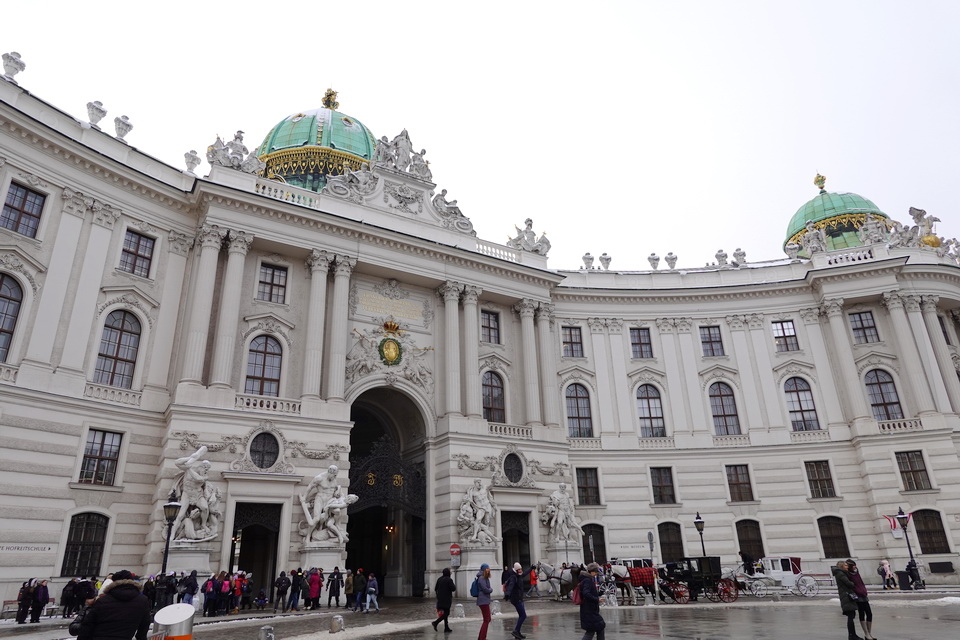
[(561, 581), (622, 577)]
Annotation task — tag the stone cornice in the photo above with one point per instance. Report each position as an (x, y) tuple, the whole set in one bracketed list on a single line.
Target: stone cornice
[(693, 295)]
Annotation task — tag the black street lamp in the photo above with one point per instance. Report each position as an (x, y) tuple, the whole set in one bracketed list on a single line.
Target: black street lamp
[(698, 523), (903, 519), (170, 511)]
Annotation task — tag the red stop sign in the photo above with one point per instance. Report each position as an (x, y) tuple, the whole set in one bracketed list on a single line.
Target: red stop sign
[(454, 549)]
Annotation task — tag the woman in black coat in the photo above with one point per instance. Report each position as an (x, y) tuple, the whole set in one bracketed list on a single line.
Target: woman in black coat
[(590, 619), (121, 611), (444, 590)]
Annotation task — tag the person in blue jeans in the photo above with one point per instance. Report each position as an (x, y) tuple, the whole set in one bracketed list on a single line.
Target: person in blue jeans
[(372, 589), (514, 593), (296, 578)]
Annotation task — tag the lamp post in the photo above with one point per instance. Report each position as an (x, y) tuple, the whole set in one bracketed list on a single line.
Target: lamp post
[(698, 523), (170, 511), (903, 520)]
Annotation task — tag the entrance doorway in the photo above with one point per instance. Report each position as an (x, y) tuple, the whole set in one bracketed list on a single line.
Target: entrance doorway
[(515, 526), (256, 529), (387, 524)]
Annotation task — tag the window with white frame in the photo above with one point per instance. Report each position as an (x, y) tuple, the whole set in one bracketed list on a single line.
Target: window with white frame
[(22, 210)]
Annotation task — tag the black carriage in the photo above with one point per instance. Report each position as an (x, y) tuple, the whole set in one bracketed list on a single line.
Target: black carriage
[(694, 577)]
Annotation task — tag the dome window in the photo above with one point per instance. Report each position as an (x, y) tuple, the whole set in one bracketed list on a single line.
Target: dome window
[(299, 117), (346, 121)]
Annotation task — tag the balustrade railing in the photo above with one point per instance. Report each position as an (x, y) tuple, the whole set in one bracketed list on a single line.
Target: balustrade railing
[(516, 431), (112, 394), (893, 426), (267, 404)]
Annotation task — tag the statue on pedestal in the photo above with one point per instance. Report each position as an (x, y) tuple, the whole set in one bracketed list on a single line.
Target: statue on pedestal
[(327, 515), (476, 515), (813, 240), (199, 515), (526, 239), (559, 516)]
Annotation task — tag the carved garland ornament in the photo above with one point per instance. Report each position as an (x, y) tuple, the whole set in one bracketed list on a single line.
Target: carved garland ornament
[(501, 476), (189, 440), (128, 301), (13, 263), (270, 326)]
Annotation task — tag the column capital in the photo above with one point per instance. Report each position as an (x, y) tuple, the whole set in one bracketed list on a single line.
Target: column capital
[(665, 325), (832, 307), (345, 265), (450, 291), (911, 302), (471, 294), (755, 321), (525, 308), (545, 311), (929, 303), (318, 261), (240, 242), (810, 315), (178, 243), (684, 325), (735, 322), (210, 235), (597, 325)]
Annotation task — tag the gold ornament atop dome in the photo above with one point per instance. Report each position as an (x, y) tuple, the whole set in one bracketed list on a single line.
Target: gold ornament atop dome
[(931, 241), (391, 326), (330, 100), (819, 181)]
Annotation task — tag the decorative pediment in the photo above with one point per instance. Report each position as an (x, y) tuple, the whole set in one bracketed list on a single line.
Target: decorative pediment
[(269, 323), (794, 367), (576, 373), (130, 298), (645, 375), (719, 373), (12, 258), (875, 359), (495, 362)]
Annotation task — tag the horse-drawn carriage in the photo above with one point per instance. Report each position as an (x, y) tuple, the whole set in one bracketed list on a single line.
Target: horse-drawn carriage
[(692, 577), (774, 573)]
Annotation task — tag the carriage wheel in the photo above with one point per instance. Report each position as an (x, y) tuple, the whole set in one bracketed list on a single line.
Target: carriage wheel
[(807, 586), (758, 588), (727, 590), (713, 595), (680, 592)]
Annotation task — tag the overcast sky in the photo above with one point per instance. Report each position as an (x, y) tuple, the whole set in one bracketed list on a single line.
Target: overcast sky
[(619, 127)]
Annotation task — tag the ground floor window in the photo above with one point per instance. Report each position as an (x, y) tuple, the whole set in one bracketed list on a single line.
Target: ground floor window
[(84, 549), (671, 541), (599, 549)]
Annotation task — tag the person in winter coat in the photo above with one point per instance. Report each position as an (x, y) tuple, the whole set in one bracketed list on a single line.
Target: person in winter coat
[(41, 596), (296, 583), (514, 593), (190, 587), (863, 603), (120, 612), (444, 590), (316, 584), (334, 584), (67, 597), (848, 598), (348, 588), (886, 574), (305, 589), (590, 619), (373, 590), (25, 600), (150, 590), (534, 590), (484, 598), (282, 584), (359, 588)]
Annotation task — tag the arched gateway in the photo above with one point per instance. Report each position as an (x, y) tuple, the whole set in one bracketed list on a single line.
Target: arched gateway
[(387, 525)]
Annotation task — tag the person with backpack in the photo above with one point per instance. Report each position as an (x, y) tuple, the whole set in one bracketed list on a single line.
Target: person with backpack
[(25, 600), (296, 583), (190, 587), (359, 588), (67, 597), (211, 590), (282, 584), (590, 619), (373, 590), (482, 591), (514, 592), (444, 590), (41, 596)]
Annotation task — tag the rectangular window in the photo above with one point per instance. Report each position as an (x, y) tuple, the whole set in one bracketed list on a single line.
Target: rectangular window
[(712, 341), (661, 479), (21, 210), (572, 342), (137, 254), (640, 344), (864, 328), (490, 327), (738, 480), (273, 284), (785, 336), (100, 457), (821, 482), (913, 470), (588, 486)]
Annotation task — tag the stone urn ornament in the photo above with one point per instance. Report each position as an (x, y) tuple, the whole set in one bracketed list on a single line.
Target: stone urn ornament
[(123, 126), (671, 260), (605, 261), (95, 113), (12, 65), (587, 260), (654, 261)]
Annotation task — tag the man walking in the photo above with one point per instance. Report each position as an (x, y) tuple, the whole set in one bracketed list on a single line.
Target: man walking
[(514, 593), (359, 588)]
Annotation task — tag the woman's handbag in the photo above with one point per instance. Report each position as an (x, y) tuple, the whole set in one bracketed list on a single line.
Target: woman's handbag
[(74, 628)]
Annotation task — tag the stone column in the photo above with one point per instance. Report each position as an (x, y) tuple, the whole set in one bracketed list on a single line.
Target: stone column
[(762, 349), (531, 379), (915, 380), (209, 238), (691, 354), (229, 312), (548, 366), (318, 265), (850, 384), (675, 384), (832, 413), (450, 292), (741, 351), (946, 382), (471, 350), (336, 372)]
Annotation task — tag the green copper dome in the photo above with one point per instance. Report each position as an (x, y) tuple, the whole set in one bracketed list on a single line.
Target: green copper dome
[(306, 147), (838, 215)]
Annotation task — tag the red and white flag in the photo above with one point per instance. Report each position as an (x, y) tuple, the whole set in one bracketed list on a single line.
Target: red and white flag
[(893, 520)]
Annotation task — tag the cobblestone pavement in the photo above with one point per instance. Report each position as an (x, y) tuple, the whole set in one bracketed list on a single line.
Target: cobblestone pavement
[(896, 616)]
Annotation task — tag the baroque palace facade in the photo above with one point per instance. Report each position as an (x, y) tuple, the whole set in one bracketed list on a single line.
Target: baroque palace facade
[(318, 302)]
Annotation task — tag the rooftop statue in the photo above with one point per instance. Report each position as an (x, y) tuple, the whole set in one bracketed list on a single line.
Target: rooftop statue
[(383, 155), (813, 240), (353, 185), (420, 167), (526, 239), (872, 231), (234, 154), (451, 215), (402, 148)]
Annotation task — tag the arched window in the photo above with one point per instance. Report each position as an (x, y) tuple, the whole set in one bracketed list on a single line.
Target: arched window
[(650, 410), (599, 546), (803, 414), (263, 367), (579, 421), (748, 535), (494, 406), (724, 408), (84, 548), (930, 533), (883, 395), (11, 295), (833, 537), (671, 542), (118, 350)]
